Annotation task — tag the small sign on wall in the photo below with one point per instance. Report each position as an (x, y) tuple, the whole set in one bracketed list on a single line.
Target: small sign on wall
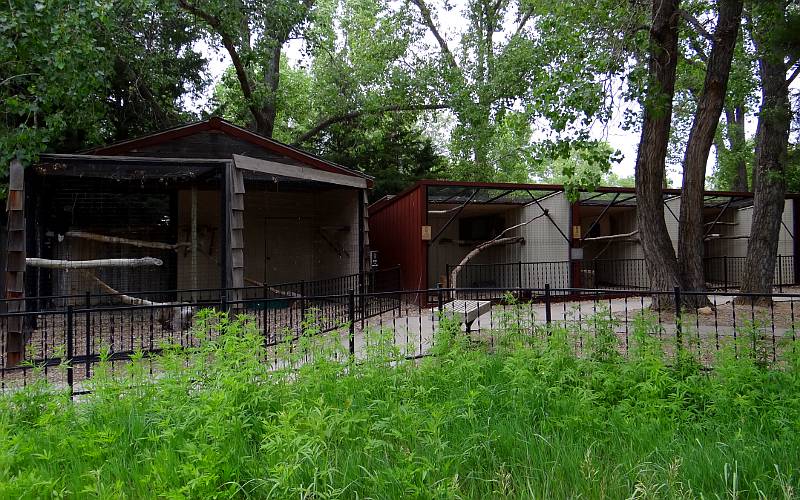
[(576, 232), (426, 233), (576, 253), (373, 259)]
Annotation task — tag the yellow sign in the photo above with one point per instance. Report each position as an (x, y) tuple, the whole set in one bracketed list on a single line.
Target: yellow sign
[(576, 232)]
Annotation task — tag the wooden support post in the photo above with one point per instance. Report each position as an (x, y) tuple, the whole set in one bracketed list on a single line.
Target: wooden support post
[(15, 263)]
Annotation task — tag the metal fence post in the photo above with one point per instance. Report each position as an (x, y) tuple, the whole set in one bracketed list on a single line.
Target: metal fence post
[(88, 332), (725, 271), (678, 331), (70, 327), (223, 300), (265, 296), (439, 300), (351, 311), (362, 302), (547, 313), (302, 301)]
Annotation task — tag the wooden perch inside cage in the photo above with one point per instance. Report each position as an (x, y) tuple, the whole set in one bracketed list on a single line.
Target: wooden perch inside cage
[(284, 293), (178, 317), (125, 299), (125, 241), (623, 237), (89, 264)]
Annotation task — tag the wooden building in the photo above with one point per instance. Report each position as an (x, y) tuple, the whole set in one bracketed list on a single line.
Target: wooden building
[(217, 205), (591, 242)]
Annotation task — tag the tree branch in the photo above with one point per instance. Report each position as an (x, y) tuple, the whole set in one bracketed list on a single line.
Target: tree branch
[(327, 122), (478, 249), (698, 27), (522, 23), (428, 19), (241, 72)]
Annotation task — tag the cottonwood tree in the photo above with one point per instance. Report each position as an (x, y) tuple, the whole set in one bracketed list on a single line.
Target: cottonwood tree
[(701, 137), (515, 64), (80, 73), (773, 25), (659, 254), (253, 32)]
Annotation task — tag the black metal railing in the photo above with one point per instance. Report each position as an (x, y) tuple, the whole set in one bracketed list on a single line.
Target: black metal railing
[(64, 346), (722, 273), (373, 280)]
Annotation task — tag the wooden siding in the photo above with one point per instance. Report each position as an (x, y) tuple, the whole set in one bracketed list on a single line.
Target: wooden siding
[(15, 262)]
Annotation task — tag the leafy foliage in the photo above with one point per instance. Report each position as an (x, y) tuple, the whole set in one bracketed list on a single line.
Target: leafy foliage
[(91, 71), (52, 73)]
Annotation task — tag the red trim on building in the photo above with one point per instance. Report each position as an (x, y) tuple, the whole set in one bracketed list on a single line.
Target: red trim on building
[(386, 201)]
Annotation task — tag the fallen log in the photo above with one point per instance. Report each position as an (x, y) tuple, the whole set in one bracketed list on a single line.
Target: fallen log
[(89, 264)]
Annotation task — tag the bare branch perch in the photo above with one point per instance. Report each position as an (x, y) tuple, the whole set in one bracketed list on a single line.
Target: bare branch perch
[(125, 299), (88, 264), (284, 293), (614, 237), (124, 241), (478, 249)]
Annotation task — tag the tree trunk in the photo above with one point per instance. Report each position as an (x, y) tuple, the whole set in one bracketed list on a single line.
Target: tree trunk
[(769, 170), (269, 110), (734, 116), (701, 137), (662, 265)]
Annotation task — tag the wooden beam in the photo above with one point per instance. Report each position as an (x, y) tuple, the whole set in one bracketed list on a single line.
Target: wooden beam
[(298, 172)]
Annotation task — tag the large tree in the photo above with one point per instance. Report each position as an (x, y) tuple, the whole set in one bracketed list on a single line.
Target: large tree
[(662, 265), (773, 26), (253, 32), (701, 137), (534, 63)]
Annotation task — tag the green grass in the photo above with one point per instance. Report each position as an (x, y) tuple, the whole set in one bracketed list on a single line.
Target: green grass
[(527, 420)]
